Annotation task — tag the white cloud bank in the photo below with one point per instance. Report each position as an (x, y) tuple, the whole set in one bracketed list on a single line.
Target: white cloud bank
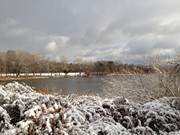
[(52, 46)]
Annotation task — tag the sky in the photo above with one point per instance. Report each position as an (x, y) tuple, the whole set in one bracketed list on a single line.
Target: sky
[(128, 31)]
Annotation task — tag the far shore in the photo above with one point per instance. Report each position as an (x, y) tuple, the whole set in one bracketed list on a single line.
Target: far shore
[(21, 78), (36, 76), (25, 76)]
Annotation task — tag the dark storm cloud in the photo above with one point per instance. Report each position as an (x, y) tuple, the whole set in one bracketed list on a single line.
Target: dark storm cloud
[(125, 30)]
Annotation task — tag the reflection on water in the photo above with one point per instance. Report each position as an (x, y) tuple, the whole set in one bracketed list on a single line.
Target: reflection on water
[(76, 85)]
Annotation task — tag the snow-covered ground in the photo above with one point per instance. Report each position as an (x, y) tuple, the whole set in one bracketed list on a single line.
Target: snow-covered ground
[(23, 111), (71, 74)]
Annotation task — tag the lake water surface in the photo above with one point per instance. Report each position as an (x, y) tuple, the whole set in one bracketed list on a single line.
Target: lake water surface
[(69, 85), (134, 87)]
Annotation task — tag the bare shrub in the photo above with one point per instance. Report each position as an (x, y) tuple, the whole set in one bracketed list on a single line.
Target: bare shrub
[(136, 87), (145, 87), (170, 82), (169, 78)]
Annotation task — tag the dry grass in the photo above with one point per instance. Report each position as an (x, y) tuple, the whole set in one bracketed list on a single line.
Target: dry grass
[(42, 90), (138, 88), (50, 91), (19, 78), (170, 83)]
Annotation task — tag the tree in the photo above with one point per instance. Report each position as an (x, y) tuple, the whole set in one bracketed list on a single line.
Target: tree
[(2, 62), (10, 61), (65, 67), (100, 67)]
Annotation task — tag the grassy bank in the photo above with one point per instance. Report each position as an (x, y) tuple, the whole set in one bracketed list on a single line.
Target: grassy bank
[(20, 78)]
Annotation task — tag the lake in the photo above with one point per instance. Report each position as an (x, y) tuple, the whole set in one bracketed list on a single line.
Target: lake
[(134, 87), (68, 85)]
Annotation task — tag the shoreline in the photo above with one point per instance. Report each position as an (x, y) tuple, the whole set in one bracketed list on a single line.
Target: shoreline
[(14, 78), (2, 79)]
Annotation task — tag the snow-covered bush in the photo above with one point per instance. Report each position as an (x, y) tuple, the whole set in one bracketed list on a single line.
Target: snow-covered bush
[(24, 112)]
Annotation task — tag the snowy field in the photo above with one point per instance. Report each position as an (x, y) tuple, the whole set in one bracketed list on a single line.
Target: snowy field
[(24, 112)]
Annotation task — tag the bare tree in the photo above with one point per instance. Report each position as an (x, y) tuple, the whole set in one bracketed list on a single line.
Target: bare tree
[(10, 61)]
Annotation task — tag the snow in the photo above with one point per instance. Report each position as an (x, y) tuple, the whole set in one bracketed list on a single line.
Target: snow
[(76, 74), (61, 74), (23, 111)]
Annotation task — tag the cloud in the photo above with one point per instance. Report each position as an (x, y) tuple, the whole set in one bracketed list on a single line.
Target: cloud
[(52, 46), (61, 41), (122, 30)]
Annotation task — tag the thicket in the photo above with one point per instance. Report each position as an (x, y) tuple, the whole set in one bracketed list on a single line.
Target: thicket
[(13, 61)]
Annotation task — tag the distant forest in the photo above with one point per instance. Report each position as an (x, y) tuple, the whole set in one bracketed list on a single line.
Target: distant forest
[(13, 61)]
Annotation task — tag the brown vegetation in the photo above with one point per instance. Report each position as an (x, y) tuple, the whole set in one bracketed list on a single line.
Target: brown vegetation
[(23, 62), (42, 90), (170, 81)]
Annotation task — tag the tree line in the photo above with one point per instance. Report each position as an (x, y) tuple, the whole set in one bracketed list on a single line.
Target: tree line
[(15, 61)]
